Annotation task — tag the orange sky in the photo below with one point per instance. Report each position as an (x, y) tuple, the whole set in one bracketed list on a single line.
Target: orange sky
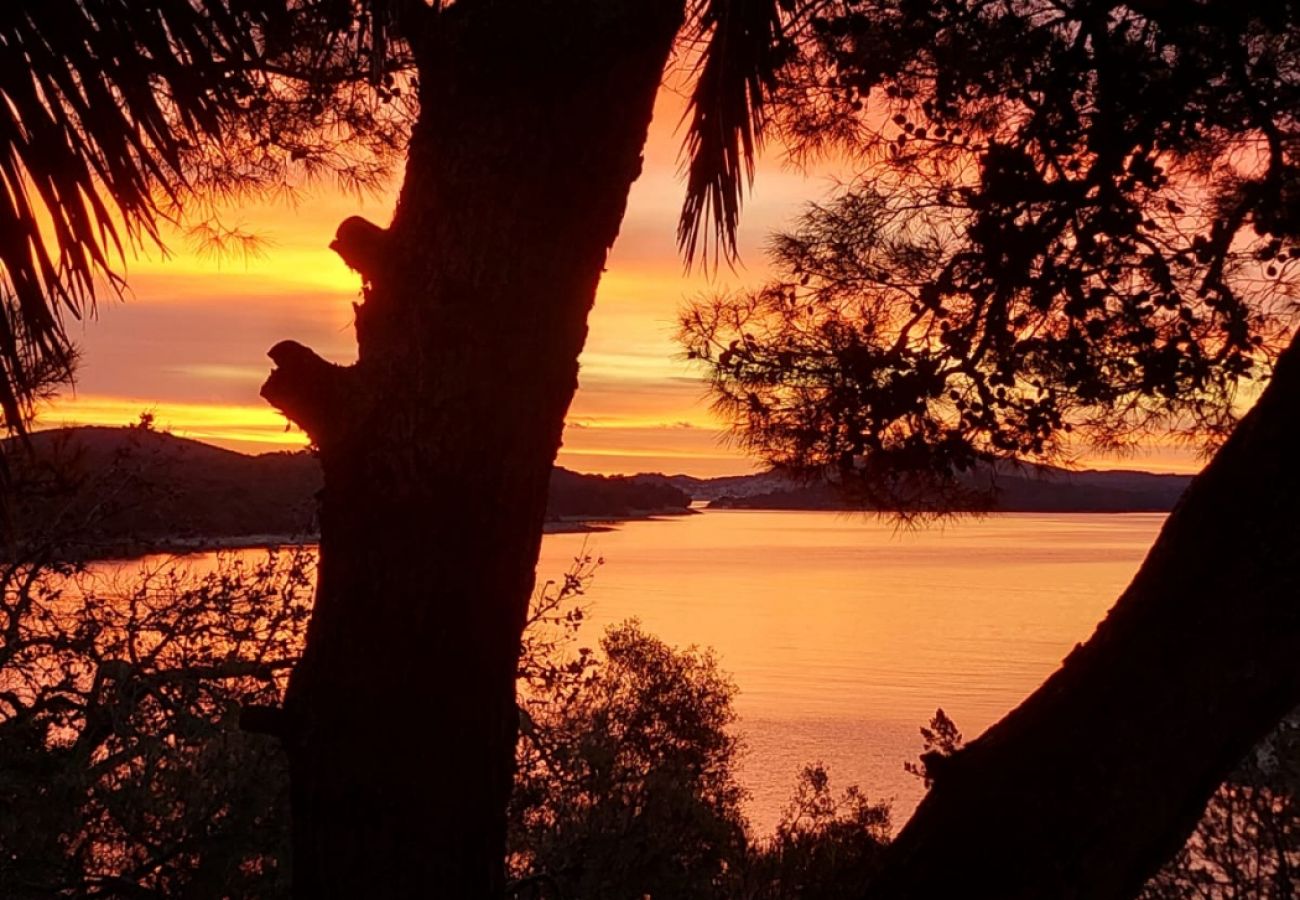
[(189, 343)]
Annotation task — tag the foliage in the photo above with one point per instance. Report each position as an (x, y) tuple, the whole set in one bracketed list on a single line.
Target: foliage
[(121, 119), (1075, 224), (547, 663), (123, 771), (735, 76), (1247, 843), (118, 117), (626, 784), (940, 740), (825, 847)]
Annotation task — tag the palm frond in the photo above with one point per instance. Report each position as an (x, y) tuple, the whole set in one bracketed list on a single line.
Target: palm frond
[(744, 47), (99, 102)]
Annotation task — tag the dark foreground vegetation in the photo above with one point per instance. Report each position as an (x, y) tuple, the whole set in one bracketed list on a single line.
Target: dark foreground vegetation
[(1076, 224), (125, 772)]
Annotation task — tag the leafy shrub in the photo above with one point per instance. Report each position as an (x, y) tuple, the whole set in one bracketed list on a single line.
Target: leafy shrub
[(825, 847), (123, 771), (626, 785)]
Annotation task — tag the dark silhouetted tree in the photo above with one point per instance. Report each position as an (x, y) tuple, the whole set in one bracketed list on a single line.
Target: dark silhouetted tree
[(1074, 228), (1247, 843), (525, 131), (437, 443), (1077, 224), (627, 783), (826, 846)]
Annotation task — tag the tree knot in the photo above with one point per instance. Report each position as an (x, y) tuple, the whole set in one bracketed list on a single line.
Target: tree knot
[(313, 393)]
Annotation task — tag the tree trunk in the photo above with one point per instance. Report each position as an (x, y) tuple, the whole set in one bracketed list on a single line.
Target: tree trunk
[(1093, 782), (436, 446)]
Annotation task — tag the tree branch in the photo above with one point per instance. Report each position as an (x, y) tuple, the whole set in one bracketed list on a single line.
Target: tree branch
[(1087, 787), (311, 392)]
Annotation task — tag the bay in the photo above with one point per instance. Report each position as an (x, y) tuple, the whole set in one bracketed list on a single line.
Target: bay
[(844, 633)]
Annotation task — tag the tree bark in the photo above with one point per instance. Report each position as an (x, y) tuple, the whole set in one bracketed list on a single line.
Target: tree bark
[(400, 721), (1092, 783)]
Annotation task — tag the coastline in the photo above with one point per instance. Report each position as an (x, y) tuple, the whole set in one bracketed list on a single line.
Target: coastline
[(124, 551)]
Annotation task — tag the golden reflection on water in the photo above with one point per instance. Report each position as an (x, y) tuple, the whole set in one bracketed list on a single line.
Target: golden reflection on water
[(844, 633)]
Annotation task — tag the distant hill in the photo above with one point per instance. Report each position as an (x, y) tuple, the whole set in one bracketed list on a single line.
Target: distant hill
[(1022, 489), (574, 496), (725, 486), (129, 489)]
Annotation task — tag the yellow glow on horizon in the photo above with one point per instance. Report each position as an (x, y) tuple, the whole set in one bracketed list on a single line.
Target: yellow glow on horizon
[(595, 444), (584, 423), (279, 271), (220, 424), (605, 445), (189, 343)]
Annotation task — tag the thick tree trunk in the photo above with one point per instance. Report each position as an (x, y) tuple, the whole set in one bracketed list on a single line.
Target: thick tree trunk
[(1093, 782), (437, 444)]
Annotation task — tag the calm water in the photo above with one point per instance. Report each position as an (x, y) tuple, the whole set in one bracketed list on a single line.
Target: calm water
[(844, 634)]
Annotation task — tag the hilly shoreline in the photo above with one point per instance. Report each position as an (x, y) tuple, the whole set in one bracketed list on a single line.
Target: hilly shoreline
[(1022, 489), (132, 491), (123, 492)]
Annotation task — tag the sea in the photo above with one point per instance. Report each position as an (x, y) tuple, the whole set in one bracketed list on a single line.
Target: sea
[(844, 633)]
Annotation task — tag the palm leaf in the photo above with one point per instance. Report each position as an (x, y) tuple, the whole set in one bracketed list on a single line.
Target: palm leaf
[(99, 102), (744, 48)]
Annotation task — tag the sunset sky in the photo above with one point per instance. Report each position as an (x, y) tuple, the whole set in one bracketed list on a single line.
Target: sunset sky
[(189, 342)]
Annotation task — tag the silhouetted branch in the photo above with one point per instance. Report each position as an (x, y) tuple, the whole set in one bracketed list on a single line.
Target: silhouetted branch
[(309, 390)]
